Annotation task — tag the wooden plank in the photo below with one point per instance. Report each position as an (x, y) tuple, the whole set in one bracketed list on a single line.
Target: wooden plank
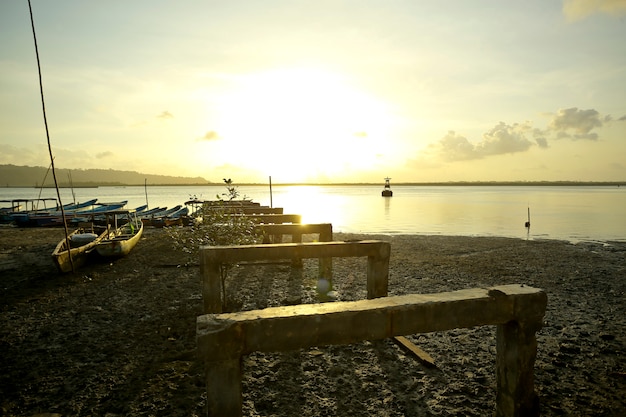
[(415, 350)]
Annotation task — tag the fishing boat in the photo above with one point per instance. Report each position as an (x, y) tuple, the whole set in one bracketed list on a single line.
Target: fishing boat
[(77, 206), (82, 242), (80, 215), (124, 231), (172, 219), (30, 207), (387, 190), (154, 219), (141, 209), (8, 208)]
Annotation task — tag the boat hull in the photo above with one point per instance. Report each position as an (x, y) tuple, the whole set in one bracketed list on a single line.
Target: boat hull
[(121, 244), (79, 253)]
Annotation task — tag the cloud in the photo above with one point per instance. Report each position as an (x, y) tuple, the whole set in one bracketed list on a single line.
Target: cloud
[(454, 147), (360, 134), (575, 124), (165, 115), (103, 155), (572, 124), (542, 142), (9, 154), (210, 135), (501, 139), (623, 118), (575, 10)]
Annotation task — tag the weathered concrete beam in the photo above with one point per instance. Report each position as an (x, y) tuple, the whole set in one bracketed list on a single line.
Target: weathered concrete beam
[(273, 218), (273, 233), (517, 310), (325, 230), (292, 327), (236, 253), (212, 257)]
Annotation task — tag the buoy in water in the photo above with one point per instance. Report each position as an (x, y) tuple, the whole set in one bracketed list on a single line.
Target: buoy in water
[(387, 190)]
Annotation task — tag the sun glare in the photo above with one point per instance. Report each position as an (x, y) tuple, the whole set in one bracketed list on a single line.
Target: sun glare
[(302, 124)]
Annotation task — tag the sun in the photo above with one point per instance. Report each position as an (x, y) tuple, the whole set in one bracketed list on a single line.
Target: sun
[(302, 124)]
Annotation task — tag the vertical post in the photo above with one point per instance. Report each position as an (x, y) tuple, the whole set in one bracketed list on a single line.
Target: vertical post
[(145, 187), (378, 272), (516, 346), (271, 202), (326, 264), (211, 285), (224, 392)]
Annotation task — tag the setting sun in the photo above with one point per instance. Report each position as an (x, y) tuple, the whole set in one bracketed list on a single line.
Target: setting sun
[(302, 124)]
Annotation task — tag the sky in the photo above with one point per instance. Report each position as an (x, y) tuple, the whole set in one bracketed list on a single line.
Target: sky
[(319, 91)]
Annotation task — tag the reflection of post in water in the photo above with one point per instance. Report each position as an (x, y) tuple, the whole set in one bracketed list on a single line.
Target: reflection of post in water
[(527, 224), (387, 203)]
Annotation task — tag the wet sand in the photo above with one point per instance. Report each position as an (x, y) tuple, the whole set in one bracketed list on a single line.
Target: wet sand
[(118, 338)]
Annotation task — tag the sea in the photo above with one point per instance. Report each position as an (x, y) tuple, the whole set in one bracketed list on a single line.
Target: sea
[(574, 213)]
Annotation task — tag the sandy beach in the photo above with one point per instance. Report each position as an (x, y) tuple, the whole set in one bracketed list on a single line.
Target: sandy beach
[(118, 338)]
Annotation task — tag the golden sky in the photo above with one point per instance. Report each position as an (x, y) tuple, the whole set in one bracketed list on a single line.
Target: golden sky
[(324, 91)]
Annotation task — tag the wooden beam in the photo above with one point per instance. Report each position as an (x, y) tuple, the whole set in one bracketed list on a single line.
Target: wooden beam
[(416, 351)]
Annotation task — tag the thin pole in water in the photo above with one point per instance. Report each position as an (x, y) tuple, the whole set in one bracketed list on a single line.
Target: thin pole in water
[(271, 202), (527, 224), (145, 187)]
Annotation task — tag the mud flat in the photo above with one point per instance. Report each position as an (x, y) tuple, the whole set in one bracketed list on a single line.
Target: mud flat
[(119, 338)]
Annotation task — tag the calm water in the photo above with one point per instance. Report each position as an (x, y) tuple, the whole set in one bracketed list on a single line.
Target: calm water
[(566, 213)]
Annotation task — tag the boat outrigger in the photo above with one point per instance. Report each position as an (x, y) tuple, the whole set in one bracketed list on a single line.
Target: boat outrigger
[(387, 190), (125, 230)]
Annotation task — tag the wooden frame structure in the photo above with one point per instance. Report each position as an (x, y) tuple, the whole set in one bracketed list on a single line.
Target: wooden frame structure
[(516, 310)]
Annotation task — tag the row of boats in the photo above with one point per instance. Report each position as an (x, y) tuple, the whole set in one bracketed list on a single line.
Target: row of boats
[(108, 230), (114, 238), (41, 213), (104, 229)]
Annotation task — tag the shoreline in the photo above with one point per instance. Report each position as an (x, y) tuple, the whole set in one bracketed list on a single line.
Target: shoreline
[(118, 338)]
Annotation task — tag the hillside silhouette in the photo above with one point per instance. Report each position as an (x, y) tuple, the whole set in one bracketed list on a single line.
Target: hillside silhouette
[(27, 176)]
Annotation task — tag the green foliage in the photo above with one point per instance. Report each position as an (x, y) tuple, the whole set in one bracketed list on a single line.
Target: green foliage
[(217, 225), (231, 191)]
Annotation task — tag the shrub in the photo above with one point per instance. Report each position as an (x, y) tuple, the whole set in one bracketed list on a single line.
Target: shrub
[(218, 226)]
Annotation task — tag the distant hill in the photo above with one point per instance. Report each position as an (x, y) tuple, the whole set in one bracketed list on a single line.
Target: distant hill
[(26, 176)]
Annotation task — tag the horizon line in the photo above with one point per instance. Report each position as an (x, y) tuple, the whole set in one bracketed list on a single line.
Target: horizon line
[(407, 183)]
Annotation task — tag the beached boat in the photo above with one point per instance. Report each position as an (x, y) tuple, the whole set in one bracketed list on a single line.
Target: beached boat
[(141, 209), (387, 190), (125, 230), (70, 207), (82, 242), (8, 208), (154, 219), (30, 207), (172, 219), (80, 215)]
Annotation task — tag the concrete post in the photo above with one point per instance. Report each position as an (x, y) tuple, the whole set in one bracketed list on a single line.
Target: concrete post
[(211, 285), (224, 382), (516, 347), (378, 273)]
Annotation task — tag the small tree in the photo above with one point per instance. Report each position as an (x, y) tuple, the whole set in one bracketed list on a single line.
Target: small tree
[(232, 191), (218, 225)]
